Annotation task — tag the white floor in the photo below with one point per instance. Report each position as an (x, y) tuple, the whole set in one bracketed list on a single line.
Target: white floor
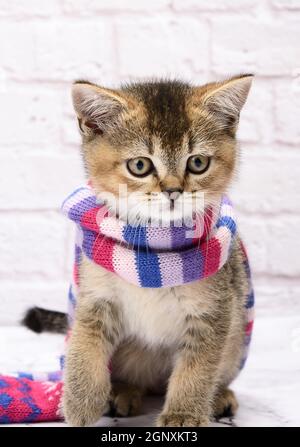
[(268, 389)]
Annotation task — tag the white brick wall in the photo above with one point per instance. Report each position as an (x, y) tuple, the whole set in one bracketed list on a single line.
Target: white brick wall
[(46, 45)]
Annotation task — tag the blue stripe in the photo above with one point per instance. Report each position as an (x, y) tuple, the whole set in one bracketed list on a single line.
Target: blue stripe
[(62, 359), (247, 340), (5, 419), (136, 236), (54, 376), (250, 300), (71, 305), (76, 212), (3, 384), (71, 296), (89, 238), (243, 361), (146, 260), (5, 400), (226, 221), (148, 268), (23, 386), (36, 411), (247, 268), (23, 375), (77, 254)]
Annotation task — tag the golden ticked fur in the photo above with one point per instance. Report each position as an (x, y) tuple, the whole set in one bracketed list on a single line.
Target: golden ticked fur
[(187, 340)]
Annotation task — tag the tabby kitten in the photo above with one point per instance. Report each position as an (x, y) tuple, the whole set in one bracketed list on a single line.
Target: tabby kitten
[(161, 137)]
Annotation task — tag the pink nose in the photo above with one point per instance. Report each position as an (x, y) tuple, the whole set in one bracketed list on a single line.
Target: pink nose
[(173, 193)]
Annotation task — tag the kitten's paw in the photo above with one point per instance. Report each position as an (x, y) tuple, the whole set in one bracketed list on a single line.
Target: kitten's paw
[(182, 420), (125, 400), (85, 411), (226, 404)]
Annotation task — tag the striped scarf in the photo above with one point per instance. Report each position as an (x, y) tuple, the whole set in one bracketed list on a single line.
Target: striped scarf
[(144, 256), (151, 256), (154, 256)]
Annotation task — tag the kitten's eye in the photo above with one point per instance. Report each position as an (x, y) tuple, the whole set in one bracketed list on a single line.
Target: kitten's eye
[(140, 167), (198, 164)]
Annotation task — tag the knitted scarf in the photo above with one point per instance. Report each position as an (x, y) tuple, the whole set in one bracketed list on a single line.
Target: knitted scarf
[(142, 255), (151, 256)]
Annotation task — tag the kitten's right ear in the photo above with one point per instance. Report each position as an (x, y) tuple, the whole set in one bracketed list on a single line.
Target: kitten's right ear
[(98, 109)]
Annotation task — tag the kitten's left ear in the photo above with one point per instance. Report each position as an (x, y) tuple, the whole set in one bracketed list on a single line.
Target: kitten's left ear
[(226, 99)]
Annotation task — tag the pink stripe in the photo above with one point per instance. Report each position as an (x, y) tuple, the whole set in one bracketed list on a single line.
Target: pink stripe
[(101, 215), (76, 274), (89, 219), (102, 252), (249, 327)]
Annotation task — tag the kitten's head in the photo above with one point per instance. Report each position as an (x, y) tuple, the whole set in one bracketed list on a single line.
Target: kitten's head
[(160, 146)]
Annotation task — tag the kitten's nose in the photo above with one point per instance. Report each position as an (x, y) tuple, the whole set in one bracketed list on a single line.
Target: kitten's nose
[(173, 193)]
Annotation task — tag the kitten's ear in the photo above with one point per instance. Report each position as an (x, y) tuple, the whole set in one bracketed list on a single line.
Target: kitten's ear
[(98, 109), (226, 99)]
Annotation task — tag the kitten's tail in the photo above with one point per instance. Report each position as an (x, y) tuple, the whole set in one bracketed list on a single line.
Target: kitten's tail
[(43, 320)]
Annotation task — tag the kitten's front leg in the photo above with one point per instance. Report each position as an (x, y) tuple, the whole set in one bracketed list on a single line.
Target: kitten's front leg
[(193, 381), (87, 384)]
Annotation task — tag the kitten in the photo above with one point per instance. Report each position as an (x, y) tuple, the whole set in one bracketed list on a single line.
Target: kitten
[(186, 339)]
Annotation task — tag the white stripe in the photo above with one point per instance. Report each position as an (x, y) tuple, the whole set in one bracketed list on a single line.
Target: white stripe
[(250, 314), (224, 237), (226, 210), (171, 272), (111, 227)]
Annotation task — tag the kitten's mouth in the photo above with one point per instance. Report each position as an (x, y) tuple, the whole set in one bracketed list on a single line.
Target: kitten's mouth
[(172, 204)]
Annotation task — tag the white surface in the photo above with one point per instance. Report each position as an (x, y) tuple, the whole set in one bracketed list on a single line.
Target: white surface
[(268, 389)]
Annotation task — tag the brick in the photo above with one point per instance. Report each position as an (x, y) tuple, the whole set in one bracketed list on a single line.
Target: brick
[(73, 50), (39, 181), (17, 49), (253, 232), (40, 49), (17, 8), (213, 5), (272, 244), (32, 246), (287, 112), (162, 47), (256, 122), (268, 182), (93, 6), (276, 297), (290, 5), (264, 46), (283, 246), (29, 117), (70, 131), (3, 81)]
